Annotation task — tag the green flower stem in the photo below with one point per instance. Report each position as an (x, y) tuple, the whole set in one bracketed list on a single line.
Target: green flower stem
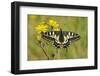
[(44, 52)]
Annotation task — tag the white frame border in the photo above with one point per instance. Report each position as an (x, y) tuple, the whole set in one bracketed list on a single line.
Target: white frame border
[(24, 64)]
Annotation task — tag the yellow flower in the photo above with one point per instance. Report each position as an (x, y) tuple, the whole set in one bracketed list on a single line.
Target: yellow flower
[(53, 24), (56, 29), (42, 28)]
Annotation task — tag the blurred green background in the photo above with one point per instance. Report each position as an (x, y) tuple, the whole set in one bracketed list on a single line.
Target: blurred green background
[(77, 50)]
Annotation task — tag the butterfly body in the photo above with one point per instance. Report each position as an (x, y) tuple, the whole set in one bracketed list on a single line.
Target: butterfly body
[(60, 39)]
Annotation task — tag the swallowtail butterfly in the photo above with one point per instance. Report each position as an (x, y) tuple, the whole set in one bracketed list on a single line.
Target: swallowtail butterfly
[(60, 39)]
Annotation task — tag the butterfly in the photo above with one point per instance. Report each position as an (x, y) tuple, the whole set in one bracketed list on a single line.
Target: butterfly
[(60, 39)]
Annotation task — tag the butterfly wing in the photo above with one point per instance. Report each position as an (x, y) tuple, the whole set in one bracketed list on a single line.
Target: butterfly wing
[(71, 36), (61, 39), (50, 36)]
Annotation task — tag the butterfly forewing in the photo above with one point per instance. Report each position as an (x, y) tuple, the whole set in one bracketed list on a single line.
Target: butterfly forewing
[(51, 35)]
